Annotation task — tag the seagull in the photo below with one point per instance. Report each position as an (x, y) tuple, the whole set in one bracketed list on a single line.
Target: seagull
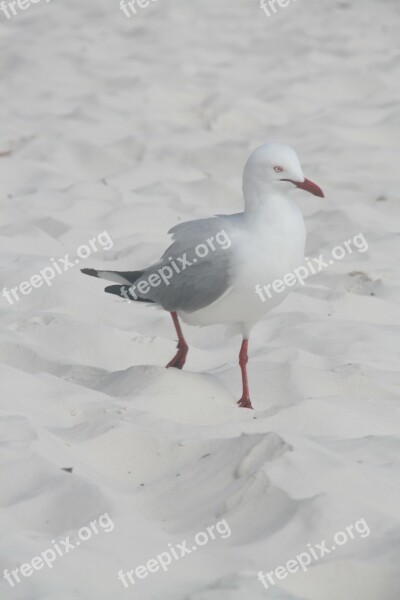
[(211, 271)]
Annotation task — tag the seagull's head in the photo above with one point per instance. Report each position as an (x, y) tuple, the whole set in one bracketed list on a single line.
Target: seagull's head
[(276, 168)]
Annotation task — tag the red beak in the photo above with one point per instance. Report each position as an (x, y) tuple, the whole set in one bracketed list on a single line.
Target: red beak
[(308, 186)]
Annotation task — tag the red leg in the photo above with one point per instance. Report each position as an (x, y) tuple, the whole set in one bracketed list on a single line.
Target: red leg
[(180, 357), (244, 401)]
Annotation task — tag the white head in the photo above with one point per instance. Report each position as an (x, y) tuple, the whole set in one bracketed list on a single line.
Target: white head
[(275, 169)]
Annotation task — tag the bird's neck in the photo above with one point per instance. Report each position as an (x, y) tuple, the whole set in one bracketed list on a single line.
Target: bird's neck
[(259, 194), (267, 207)]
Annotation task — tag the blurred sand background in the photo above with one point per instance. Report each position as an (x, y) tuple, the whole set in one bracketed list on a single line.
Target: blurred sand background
[(130, 126)]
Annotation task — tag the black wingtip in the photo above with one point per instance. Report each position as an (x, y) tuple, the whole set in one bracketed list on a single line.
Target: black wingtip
[(91, 272), (123, 292)]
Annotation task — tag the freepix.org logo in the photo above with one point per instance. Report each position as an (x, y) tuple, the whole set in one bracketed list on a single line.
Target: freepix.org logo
[(271, 7), (311, 267), (175, 552), (130, 8), (58, 267), (177, 265), (11, 9), (313, 553), (59, 548)]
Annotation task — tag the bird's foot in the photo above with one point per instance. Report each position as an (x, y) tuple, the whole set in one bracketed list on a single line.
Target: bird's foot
[(245, 403), (179, 359)]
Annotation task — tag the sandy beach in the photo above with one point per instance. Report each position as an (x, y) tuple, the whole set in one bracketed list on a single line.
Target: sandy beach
[(114, 129)]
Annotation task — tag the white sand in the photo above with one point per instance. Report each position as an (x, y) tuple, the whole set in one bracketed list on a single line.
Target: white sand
[(130, 126)]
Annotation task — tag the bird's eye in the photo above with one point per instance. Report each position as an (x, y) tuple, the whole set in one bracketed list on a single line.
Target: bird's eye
[(278, 169)]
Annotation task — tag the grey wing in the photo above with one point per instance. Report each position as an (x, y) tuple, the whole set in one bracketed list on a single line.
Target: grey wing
[(196, 269)]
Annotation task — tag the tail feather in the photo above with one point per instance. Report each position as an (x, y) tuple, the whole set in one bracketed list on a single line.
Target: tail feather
[(116, 276)]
